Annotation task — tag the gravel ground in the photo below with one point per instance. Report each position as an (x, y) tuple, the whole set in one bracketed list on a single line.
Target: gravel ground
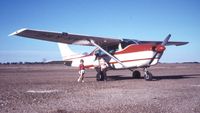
[(54, 89)]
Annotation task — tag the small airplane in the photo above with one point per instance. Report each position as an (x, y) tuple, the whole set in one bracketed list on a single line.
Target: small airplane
[(118, 53)]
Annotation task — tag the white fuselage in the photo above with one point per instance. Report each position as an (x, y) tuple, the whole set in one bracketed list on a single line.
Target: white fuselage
[(131, 57)]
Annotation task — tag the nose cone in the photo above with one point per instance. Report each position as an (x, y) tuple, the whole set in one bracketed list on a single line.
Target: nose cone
[(160, 48)]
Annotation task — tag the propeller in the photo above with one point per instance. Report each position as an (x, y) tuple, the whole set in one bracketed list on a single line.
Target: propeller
[(166, 40), (159, 49)]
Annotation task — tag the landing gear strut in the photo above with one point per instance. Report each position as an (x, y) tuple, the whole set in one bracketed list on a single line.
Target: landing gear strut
[(147, 75)]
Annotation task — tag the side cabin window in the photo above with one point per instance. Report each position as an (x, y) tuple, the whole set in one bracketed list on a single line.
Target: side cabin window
[(110, 49), (127, 42), (99, 52), (113, 48)]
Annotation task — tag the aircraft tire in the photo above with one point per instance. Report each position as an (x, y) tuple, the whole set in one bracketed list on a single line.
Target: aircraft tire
[(136, 74), (148, 76), (98, 77)]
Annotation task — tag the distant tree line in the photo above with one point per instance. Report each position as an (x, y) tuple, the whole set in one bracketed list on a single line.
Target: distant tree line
[(62, 62), (21, 63), (8, 63)]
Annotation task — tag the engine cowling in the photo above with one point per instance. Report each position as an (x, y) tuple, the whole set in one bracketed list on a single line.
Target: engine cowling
[(160, 48)]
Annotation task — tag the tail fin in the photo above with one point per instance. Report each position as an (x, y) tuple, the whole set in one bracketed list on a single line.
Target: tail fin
[(65, 51)]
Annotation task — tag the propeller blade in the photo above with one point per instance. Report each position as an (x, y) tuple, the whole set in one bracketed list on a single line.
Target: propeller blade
[(166, 40)]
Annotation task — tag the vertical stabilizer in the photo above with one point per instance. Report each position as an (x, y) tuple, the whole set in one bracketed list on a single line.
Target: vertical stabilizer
[(65, 51)]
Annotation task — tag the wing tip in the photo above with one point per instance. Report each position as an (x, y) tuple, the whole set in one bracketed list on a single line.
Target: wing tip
[(182, 43), (17, 32)]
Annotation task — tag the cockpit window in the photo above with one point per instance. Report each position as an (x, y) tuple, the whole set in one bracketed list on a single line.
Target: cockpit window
[(99, 52), (113, 48), (110, 49), (127, 42)]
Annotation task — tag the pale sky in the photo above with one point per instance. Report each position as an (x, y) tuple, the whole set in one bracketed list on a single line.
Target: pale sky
[(132, 19)]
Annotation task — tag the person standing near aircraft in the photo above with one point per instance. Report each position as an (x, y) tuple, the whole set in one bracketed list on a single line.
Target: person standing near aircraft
[(101, 68), (103, 65), (97, 66), (81, 71)]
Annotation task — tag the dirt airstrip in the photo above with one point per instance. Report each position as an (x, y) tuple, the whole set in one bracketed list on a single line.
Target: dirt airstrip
[(53, 88)]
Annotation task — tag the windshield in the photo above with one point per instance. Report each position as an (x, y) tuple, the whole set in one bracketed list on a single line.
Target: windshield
[(127, 42)]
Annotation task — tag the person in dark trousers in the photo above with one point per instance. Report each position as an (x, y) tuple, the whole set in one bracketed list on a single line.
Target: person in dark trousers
[(97, 67), (101, 68), (104, 66)]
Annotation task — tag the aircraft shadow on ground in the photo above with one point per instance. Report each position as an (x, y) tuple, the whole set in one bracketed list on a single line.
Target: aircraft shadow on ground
[(176, 76), (155, 78), (118, 77)]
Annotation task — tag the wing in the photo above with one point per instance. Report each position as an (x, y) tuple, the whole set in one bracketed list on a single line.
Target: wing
[(168, 43), (65, 37)]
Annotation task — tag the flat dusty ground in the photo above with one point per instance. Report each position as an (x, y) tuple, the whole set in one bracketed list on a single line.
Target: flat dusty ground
[(54, 89)]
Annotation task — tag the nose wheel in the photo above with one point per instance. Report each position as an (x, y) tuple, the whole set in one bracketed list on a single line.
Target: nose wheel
[(147, 75)]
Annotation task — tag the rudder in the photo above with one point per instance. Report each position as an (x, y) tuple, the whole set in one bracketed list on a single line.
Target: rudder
[(65, 51)]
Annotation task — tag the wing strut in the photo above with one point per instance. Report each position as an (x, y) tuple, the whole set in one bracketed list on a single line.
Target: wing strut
[(111, 56)]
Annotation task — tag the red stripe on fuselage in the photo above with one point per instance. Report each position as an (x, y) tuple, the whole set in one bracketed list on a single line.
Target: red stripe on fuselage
[(136, 48), (88, 66)]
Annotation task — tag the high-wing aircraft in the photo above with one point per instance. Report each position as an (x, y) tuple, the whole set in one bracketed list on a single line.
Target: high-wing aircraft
[(118, 53)]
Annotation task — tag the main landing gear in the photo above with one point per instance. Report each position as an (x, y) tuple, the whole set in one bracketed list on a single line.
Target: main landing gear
[(147, 75), (136, 74)]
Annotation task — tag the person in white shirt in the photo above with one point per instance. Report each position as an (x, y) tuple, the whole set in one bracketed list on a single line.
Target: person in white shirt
[(101, 67)]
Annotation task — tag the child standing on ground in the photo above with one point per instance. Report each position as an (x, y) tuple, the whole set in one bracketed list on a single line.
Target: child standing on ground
[(81, 71)]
